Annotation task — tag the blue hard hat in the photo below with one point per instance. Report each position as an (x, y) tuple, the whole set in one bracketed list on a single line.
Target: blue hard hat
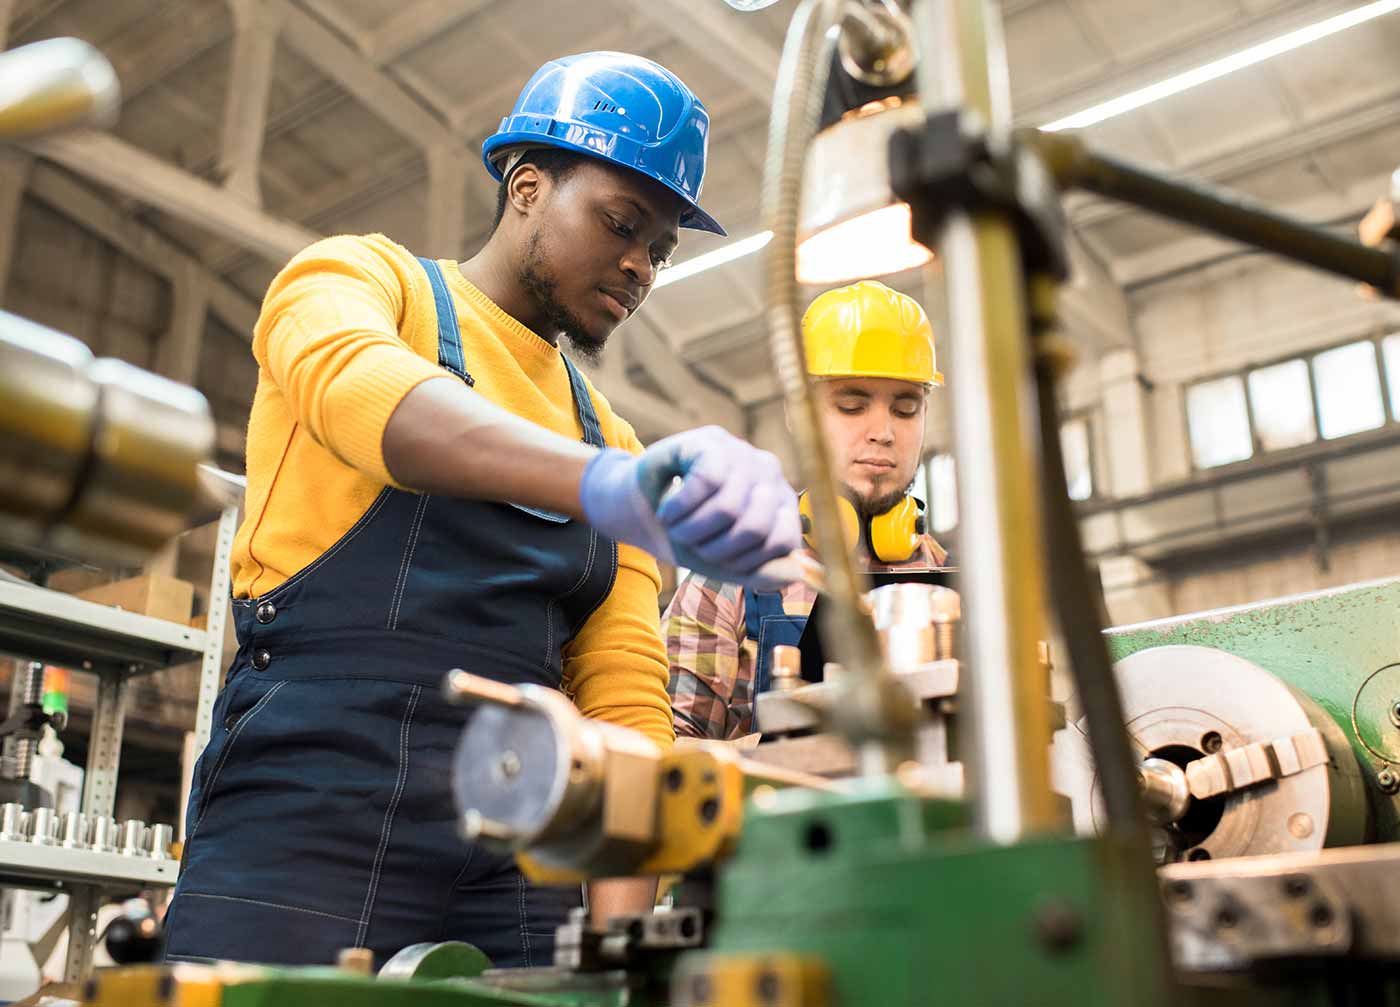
[(617, 107)]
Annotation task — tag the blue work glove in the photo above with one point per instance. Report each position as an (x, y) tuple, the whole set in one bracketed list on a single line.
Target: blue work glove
[(730, 513)]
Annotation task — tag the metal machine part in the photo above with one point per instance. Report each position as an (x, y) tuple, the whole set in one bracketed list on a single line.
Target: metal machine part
[(578, 798), (1230, 915), (43, 827), (56, 84), (916, 623), (628, 941), (98, 459), (28, 692), (1264, 768)]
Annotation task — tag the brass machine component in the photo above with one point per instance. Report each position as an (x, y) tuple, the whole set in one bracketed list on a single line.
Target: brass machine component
[(578, 799)]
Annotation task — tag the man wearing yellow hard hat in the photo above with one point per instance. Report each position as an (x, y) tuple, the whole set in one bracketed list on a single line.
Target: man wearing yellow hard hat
[(871, 352)]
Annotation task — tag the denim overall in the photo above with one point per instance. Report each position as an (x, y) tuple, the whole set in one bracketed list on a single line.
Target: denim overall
[(767, 623), (321, 814)]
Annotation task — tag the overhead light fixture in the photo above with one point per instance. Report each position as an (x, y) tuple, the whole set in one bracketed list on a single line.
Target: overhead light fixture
[(1226, 65), (886, 233), (718, 257), (852, 226)]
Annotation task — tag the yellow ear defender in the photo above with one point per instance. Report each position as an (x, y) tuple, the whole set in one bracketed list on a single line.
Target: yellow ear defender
[(893, 537)]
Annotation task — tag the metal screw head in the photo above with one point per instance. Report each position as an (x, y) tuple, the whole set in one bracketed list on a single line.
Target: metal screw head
[(1388, 781), (1058, 927), (1211, 742), (1395, 713)]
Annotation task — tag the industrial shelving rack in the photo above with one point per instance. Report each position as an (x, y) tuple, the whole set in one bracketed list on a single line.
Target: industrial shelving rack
[(117, 646)]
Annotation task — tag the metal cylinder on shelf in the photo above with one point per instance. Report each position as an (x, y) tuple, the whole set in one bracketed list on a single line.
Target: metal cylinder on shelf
[(103, 835), (13, 823), (43, 827), (75, 831), (158, 844), (133, 838)]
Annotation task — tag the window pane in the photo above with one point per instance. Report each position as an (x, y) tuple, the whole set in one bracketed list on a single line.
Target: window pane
[(1074, 445), (944, 489), (1348, 390), (1218, 421), (1390, 345), (1282, 404)]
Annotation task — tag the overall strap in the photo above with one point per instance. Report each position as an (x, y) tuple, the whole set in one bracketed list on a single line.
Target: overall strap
[(583, 404), (449, 329)]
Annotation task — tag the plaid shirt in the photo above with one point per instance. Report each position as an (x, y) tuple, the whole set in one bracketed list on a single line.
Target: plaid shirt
[(713, 662)]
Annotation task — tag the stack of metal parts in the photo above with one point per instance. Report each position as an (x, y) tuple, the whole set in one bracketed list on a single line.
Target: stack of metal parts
[(75, 831)]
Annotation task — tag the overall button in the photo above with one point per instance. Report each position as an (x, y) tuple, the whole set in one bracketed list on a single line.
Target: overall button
[(261, 659), (265, 612)]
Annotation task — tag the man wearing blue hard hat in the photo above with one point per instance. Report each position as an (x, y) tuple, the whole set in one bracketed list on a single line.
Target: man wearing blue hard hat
[(432, 484)]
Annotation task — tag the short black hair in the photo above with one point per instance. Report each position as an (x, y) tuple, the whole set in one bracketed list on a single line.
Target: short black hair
[(555, 162)]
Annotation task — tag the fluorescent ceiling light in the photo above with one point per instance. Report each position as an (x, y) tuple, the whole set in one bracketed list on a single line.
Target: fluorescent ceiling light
[(1226, 65), (1106, 110), (718, 257)]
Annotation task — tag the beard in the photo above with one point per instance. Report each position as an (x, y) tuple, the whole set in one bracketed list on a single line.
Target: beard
[(540, 282), (873, 506)]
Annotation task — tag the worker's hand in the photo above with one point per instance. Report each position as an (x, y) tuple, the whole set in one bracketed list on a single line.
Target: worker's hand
[(702, 499)]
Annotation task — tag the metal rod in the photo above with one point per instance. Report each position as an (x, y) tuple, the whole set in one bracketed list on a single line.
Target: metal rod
[(1208, 209), (995, 444)]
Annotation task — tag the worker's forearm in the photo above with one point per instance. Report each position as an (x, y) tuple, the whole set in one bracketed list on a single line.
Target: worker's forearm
[(445, 438), (620, 897)]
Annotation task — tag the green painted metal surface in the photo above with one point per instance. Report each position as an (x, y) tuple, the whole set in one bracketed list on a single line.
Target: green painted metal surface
[(1340, 647), (326, 987), (904, 906)]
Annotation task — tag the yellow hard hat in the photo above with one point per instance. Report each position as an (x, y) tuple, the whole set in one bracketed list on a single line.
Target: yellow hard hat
[(868, 330)]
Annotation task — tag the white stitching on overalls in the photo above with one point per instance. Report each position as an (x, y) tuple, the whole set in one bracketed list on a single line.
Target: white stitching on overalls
[(388, 826), (345, 540), (402, 583), (223, 755), (270, 905), (524, 927)]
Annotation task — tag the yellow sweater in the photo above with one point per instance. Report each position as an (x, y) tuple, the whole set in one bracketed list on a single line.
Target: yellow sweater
[(348, 329)]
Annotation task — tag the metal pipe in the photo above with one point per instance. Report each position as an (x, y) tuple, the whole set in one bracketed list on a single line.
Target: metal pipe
[(877, 722), (995, 442), (1205, 208)]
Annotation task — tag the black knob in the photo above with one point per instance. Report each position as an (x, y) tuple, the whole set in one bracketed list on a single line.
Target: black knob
[(133, 938)]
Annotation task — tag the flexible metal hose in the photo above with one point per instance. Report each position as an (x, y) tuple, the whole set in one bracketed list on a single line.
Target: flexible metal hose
[(797, 102)]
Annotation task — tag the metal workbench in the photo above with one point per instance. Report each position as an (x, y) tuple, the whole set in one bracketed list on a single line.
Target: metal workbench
[(115, 645)]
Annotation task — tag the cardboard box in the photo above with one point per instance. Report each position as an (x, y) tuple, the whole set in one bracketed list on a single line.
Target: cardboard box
[(153, 594)]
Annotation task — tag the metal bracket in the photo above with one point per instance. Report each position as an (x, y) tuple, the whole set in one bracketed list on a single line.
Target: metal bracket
[(1259, 762), (953, 163)]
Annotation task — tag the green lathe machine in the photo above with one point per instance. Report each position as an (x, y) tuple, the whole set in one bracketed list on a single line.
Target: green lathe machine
[(1235, 844)]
